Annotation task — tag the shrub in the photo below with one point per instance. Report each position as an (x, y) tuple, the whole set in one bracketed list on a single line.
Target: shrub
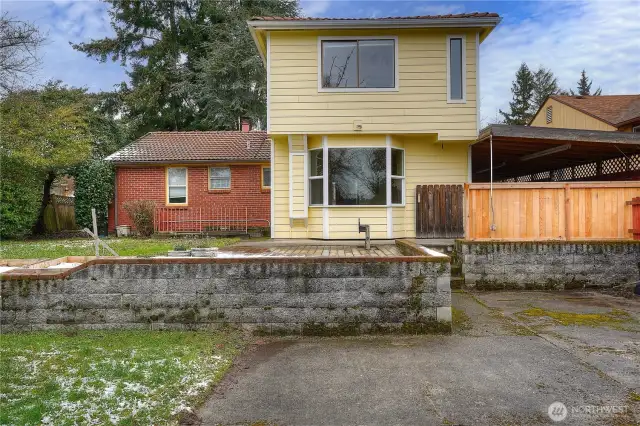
[(141, 213), (94, 181), (19, 205)]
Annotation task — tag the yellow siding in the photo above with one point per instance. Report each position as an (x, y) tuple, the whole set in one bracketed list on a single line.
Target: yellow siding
[(426, 162), (419, 106), (563, 116), (430, 163)]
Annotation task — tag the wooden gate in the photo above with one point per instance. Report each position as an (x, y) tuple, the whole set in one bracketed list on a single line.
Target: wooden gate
[(439, 211)]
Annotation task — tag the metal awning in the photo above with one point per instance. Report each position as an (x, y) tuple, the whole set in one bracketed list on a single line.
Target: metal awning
[(525, 153)]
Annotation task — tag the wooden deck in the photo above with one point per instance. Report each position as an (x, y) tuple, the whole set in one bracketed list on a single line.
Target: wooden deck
[(387, 250)]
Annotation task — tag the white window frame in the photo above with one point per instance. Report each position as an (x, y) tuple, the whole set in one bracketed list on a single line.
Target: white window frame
[(225, 188), (263, 184), (186, 187), (402, 177), (325, 176), (319, 177), (464, 69), (359, 89)]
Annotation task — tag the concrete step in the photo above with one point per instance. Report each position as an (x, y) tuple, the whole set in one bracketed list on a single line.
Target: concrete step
[(457, 283)]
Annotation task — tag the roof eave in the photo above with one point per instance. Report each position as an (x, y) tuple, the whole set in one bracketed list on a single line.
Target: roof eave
[(483, 22), (254, 36), (118, 162)]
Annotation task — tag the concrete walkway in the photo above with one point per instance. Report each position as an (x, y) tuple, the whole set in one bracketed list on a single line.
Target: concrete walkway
[(501, 366)]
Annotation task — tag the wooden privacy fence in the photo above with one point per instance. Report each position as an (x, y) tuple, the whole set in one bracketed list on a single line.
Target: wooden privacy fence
[(550, 211), (60, 215), (439, 211)]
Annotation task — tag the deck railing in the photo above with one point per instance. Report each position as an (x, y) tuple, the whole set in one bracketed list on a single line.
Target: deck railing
[(550, 211), (210, 219)]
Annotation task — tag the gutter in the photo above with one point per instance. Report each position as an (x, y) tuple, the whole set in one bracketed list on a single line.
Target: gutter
[(376, 23)]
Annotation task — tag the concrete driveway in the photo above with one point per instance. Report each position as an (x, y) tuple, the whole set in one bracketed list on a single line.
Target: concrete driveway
[(512, 354)]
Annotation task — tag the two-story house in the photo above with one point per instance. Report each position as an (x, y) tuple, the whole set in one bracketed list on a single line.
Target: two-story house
[(606, 113), (360, 111)]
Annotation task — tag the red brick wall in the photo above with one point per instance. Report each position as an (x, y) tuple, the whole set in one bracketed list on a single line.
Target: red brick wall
[(148, 183)]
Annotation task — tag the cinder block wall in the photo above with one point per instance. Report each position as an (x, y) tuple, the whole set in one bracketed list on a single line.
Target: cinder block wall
[(149, 183), (548, 265), (334, 297)]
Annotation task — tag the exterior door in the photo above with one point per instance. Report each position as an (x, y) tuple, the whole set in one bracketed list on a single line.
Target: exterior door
[(439, 211)]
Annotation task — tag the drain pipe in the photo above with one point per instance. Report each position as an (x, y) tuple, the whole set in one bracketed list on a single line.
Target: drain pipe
[(367, 235), (492, 226)]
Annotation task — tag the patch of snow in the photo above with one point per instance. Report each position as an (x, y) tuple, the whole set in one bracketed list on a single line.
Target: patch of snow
[(6, 268), (64, 265)]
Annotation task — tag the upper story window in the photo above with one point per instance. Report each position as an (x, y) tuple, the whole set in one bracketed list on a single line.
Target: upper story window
[(177, 185), (358, 64), (456, 69)]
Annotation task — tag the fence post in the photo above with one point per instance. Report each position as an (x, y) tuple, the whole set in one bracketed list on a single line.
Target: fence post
[(95, 231), (635, 217), (568, 213)]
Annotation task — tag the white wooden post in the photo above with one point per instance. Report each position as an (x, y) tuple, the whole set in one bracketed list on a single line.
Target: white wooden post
[(95, 232)]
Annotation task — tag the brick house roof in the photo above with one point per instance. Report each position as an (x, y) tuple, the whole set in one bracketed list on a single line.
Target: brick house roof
[(193, 147), (614, 109), (305, 18)]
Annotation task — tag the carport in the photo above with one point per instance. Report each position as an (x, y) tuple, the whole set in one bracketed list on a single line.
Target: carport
[(538, 183), (541, 154)]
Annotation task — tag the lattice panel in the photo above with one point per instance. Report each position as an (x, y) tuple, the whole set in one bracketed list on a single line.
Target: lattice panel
[(541, 176), (526, 178), (614, 165), (586, 170), (634, 162), (561, 175)]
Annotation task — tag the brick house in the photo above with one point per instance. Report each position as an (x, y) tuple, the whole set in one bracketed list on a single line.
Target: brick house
[(200, 181)]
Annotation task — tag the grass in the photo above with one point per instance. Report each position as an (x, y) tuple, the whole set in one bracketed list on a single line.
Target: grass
[(114, 377), (51, 249), (613, 317)]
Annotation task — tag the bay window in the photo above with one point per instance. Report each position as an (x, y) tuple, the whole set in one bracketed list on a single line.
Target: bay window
[(356, 177), (177, 185)]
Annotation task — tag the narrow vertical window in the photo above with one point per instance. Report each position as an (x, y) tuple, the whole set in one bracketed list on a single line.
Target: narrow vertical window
[(266, 177), (455, 49), (316, 171), (397, 176), (549, 114), (177, 185)]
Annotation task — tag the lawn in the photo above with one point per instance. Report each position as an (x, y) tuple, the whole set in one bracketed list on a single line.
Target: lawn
[(51, 249), (109, 377)]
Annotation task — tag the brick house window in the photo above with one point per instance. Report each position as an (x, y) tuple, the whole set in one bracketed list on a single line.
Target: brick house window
[(266, 177), (177, 185), (219, 178)]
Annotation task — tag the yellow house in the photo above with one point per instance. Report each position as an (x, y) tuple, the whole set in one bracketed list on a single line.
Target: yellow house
[(607, 113), (361, 111)]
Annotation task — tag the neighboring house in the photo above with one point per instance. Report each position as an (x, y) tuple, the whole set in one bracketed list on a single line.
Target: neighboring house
[(194, 176), (361, 111), (608, 113)]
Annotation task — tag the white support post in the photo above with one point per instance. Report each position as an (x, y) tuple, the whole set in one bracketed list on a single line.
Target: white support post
[(96, 243), (389, 208)]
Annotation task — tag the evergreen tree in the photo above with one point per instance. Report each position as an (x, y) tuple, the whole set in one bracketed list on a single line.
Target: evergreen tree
[(584, 86), (545, 84), (522, 89), (166, 45)]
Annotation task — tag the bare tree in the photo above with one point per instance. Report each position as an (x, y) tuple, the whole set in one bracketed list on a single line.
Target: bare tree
[(19, 43)]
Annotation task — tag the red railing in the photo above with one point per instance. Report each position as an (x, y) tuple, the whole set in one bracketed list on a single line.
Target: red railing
[(213, 219)]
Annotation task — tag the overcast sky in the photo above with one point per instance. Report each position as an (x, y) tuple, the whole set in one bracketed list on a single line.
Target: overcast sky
[(600, 36)]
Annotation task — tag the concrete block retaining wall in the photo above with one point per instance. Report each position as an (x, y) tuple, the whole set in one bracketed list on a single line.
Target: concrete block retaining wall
[(548, 265), (309, 296)]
